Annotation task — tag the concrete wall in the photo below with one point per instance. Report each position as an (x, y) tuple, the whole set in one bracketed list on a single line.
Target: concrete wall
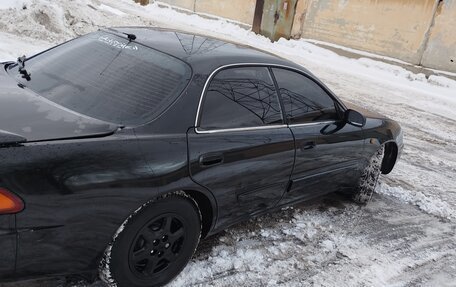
[(300, 16), (236, 10), (440, 52), (396, 28), (416, 31), (186, 4)]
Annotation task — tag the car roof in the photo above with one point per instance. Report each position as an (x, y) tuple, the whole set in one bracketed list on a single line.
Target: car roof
[(203, 53)]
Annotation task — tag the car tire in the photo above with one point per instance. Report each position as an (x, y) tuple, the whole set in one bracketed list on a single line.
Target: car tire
[(369, 178), (154, 244)]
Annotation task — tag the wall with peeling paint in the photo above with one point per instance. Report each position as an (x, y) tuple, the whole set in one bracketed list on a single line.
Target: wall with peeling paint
[(237, 10), (300, 16), (417, 31), (186, 4), (440, 52), (396, 28)]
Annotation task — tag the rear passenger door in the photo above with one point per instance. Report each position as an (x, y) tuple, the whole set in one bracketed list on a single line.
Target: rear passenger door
[(241, 149), (328, 151)]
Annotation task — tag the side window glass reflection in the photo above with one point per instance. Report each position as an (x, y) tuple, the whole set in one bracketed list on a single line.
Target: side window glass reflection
[(304, 100), (241, 97)]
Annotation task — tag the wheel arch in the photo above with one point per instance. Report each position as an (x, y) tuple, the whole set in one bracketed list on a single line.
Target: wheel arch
[(390, 157), (204, 200), (206, 207)]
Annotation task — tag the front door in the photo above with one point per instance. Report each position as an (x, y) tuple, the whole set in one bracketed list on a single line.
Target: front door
[(241, 150), (328, 151)]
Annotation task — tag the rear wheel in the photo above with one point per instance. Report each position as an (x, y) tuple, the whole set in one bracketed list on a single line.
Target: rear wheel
[(154, 244), (369, 178)]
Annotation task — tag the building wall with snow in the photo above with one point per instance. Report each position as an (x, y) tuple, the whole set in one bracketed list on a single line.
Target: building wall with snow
[(236, 10), (186, 4), (440, 52), (395, 28), (416, 31)]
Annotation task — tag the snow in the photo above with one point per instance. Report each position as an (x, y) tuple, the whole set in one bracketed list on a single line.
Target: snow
[(11, 48), (355, 51), (111, 10), (11, 4), (428, 204), (404, 237)]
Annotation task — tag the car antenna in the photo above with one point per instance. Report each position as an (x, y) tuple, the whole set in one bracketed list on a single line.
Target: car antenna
[(131, 37), (22, 70)]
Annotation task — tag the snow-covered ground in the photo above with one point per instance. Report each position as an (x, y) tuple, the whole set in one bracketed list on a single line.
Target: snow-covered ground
[(406, 236)]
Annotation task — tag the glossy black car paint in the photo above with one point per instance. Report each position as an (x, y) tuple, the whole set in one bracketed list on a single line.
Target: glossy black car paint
[(23, 112), (78, 187)]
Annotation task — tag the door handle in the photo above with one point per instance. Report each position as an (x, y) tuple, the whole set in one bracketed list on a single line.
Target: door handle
[(308, 145), (210, 159)]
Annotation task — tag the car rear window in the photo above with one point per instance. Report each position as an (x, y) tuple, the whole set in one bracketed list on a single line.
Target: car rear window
[(106, 77)]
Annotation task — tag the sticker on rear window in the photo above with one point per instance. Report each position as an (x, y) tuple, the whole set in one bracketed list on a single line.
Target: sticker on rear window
[(116, 44)]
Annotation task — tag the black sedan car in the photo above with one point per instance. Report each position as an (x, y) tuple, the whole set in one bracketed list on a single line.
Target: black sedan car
[(120, 149)]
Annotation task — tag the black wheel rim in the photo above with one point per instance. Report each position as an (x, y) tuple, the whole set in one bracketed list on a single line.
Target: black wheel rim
[(157, 246)]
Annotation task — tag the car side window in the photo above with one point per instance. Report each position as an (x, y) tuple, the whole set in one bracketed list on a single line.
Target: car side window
[(303, 99), (240, 97)]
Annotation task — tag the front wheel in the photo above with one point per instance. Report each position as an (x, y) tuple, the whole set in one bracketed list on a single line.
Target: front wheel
[(369, 178), (154, 244)]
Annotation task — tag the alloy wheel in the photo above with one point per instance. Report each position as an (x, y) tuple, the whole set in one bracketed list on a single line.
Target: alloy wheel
[(157, 245)]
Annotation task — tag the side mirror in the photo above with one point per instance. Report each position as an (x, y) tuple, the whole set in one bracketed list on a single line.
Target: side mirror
[(355, 118)]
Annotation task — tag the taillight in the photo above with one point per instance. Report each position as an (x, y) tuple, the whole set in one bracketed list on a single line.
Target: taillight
[(10, 203)]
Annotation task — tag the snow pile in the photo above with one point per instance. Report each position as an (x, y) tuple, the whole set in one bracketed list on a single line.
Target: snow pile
[(111, 10), (12, 4), (58, 21), (289, 243), (11, 47), (428, 204), (443, 82)]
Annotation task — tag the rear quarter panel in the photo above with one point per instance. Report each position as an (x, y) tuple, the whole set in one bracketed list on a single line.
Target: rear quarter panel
[(78, 192)]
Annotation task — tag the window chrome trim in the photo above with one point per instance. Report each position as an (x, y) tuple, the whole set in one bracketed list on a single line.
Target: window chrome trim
[(212, 75), (311, 124), (199, 131)]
